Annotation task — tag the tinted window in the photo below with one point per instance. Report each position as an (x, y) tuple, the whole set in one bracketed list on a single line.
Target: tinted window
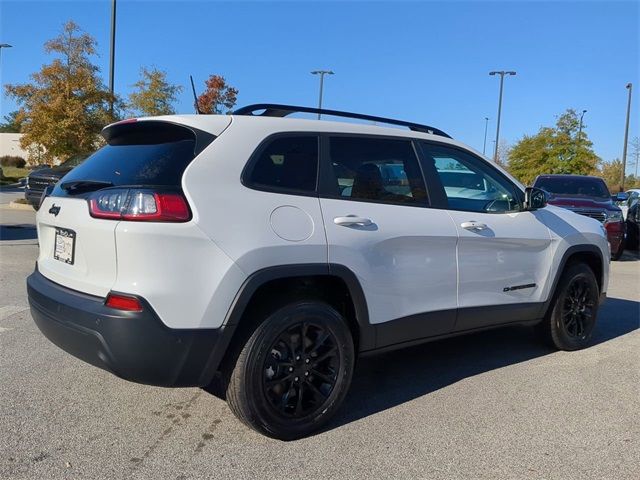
[(161, 164), (469, 184), (152, 154), (379, 170), (584, 186), (287, 163)]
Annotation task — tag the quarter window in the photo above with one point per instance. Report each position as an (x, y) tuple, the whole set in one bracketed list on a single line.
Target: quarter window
[(287, 163), (377, 170), (469, 184)]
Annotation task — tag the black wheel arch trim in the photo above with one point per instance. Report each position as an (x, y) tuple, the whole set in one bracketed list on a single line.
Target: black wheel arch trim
[(366, 333), (569, 252)]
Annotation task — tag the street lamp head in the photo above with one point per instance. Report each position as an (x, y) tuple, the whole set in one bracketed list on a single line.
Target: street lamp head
[(322, 72), (629, 85), (510, 73), (5, 45), (493, 73), (584, 111)]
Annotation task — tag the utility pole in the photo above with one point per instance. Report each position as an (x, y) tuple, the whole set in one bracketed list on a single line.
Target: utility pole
[(322, 73), (112, 53), (486, 125), (626, 136), (502, 73)]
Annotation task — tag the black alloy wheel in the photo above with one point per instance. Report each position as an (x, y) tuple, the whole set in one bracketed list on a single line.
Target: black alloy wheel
[(573, 312), (301, 369), (294, 371), (578, 308)]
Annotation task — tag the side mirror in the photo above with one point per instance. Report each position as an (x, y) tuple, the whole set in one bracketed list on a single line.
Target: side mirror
[(622, 197), (534, 198)]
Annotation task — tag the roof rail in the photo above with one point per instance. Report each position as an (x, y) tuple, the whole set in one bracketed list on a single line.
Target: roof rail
[(277, 110)]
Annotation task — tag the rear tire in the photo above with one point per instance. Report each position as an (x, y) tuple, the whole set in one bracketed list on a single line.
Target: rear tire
[(294, 371), (573, 312)]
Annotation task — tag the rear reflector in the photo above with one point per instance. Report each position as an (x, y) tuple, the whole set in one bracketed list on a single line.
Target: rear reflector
[(141, 205), (123, 302)]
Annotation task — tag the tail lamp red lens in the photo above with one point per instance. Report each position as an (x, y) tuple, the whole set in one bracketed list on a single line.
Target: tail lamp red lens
[(141, 205), (123, 302)]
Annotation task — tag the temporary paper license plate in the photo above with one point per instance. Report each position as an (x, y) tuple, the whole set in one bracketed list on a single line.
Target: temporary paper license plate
[(65, 245)]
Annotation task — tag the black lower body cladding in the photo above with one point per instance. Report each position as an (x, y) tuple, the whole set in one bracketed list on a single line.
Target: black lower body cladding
[(135, 346)]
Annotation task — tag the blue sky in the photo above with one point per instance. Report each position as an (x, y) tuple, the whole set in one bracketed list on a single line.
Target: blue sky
[(422, 61)]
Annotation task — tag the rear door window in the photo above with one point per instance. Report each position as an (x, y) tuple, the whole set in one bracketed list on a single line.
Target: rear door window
[(378, 170)]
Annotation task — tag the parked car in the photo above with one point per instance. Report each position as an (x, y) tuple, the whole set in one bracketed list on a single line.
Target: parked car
[(44, 176), (259, 256), (632, 196), (633, 225), (587, 196)]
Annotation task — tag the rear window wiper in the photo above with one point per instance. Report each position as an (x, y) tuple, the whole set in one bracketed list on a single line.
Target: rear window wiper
[(84, 185)]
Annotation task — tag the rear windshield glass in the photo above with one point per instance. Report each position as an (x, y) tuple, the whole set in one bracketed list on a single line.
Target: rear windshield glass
[(588, 187), (135, 161)]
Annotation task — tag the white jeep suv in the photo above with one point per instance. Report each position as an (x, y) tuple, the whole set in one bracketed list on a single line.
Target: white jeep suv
[(264, 254)]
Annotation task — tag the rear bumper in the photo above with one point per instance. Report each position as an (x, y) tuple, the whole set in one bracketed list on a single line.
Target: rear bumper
[(135, 346)]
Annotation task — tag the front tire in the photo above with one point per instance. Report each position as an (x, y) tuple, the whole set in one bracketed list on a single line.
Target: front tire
[(572, 319), (294, 371)]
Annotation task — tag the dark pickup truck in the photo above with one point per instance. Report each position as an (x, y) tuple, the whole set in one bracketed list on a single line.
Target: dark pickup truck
[(40, 178)]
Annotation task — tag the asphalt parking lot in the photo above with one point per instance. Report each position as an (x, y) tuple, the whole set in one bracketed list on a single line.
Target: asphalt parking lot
[(494, 405)]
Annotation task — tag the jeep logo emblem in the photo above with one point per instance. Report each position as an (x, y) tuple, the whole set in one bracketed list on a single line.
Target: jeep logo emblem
[(54, 210)]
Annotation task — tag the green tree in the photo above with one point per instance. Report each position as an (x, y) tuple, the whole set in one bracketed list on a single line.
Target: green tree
[(12, 123), (559, 149), (218, 97), (153, 94), (66, 105), (611, 173)]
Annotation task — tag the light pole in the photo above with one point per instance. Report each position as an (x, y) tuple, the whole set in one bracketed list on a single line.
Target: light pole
[(626, 135), (322, 73), (579, 139), (112, 52), (502, 73), (486, 125), (580, 128), (3, 45)]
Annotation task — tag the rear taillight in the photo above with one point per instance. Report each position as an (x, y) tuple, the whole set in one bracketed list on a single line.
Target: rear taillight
[(123, 302), (139, 204)]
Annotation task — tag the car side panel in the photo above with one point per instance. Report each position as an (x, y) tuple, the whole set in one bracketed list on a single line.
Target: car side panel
[(255, 229), (569, 230), (186, 278)]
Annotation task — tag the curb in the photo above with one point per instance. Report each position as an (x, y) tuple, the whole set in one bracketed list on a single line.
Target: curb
[(20, 206)]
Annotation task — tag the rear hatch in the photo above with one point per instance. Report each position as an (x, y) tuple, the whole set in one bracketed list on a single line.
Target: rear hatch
[(77, 221)]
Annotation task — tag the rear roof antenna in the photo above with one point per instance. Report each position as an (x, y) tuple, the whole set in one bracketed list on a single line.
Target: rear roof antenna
[(195, 97)]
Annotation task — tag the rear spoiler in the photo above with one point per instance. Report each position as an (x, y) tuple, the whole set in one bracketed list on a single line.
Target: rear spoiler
[(151, 132)]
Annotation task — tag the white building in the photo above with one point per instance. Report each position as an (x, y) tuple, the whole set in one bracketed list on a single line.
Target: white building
[(10, 145)]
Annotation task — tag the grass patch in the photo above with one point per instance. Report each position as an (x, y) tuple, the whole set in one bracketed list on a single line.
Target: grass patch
[(13, 174)]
